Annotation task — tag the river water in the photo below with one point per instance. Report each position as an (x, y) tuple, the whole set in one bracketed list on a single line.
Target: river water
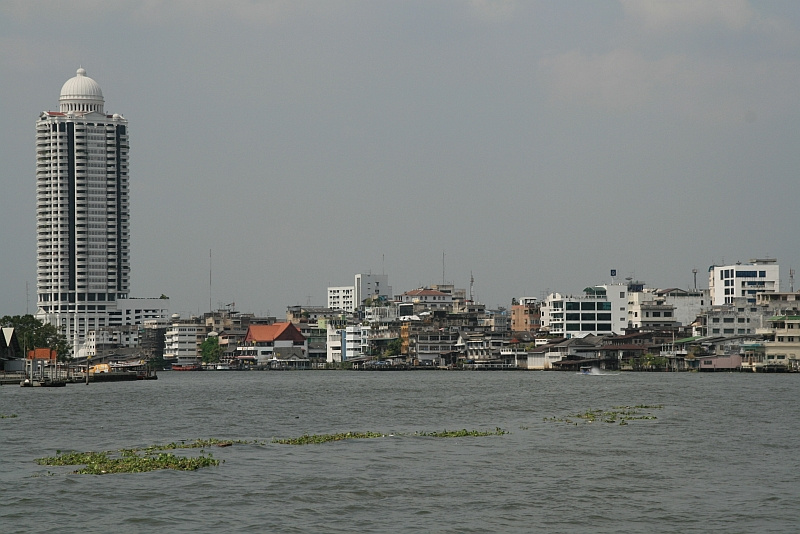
[(722, 455)]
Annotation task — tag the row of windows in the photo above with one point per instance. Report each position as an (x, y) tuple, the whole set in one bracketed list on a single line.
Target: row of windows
[(573, 306), (588, 327), (730, 273), (588, 317)]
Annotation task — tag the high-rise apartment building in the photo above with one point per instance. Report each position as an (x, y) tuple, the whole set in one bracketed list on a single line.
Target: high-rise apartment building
[(82, 212)]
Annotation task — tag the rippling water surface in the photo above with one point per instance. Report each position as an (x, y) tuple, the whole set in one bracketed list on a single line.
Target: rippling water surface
[(723, 454)]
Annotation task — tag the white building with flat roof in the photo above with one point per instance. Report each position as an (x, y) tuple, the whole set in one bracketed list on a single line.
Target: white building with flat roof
[(726, 282), (600, 310), (342, 298)]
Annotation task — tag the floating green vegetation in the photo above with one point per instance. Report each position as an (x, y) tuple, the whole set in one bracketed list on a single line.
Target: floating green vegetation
[(617, 414), (10, 416), (101, 463), (307, 439), (196, 444), (462, 433), (140, 460)]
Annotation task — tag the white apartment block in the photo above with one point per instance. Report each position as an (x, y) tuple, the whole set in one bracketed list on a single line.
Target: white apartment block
[(365, 286), (342, 298), (182, 342), (601, 310), (726, 282)]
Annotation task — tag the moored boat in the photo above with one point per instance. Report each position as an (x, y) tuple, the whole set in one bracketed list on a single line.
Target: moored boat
[(187, 367)]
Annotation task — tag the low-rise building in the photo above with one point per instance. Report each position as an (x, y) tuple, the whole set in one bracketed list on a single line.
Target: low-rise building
[(431, 299), (276, 345), (783, 353)]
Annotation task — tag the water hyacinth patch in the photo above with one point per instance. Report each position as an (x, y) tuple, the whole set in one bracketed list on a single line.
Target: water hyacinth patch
[(462, 433), (140, 460), (307, 439), (617, 414)]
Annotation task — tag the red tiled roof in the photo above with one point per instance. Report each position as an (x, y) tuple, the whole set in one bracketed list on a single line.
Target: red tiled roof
[(273, 332)]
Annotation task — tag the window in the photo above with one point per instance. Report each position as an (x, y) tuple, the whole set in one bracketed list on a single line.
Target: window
[(656, 314), (667, 314), (574, 306), (587, 305)]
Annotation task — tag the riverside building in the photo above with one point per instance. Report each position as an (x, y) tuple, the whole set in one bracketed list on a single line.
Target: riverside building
[(82, 214)]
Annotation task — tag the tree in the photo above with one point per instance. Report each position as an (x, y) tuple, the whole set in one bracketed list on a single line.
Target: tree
[(393, 348), (33, 333), (210, 350)]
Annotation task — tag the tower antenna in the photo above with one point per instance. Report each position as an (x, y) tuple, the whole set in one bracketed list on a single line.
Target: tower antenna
[(471, 286)]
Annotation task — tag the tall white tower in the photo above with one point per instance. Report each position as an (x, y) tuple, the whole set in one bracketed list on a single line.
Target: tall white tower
[(82, 212)]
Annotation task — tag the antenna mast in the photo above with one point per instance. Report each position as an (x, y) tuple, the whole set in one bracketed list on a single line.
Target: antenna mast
[(471, 286)]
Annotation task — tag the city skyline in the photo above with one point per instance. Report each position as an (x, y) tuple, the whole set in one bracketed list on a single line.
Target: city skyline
[(529, 144)]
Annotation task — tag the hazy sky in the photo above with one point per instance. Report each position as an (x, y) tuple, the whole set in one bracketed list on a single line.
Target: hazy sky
[(536, 144)]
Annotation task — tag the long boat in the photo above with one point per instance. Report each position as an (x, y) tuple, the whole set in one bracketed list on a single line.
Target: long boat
[(187, 367)]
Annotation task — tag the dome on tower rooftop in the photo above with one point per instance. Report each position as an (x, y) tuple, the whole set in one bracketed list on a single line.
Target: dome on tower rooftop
[(81, 93)]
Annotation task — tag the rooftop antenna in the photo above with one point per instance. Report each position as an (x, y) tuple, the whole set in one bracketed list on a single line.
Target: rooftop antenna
[(210, 308), (471, 286), (694, 272), (791, 280), (443, 267)]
